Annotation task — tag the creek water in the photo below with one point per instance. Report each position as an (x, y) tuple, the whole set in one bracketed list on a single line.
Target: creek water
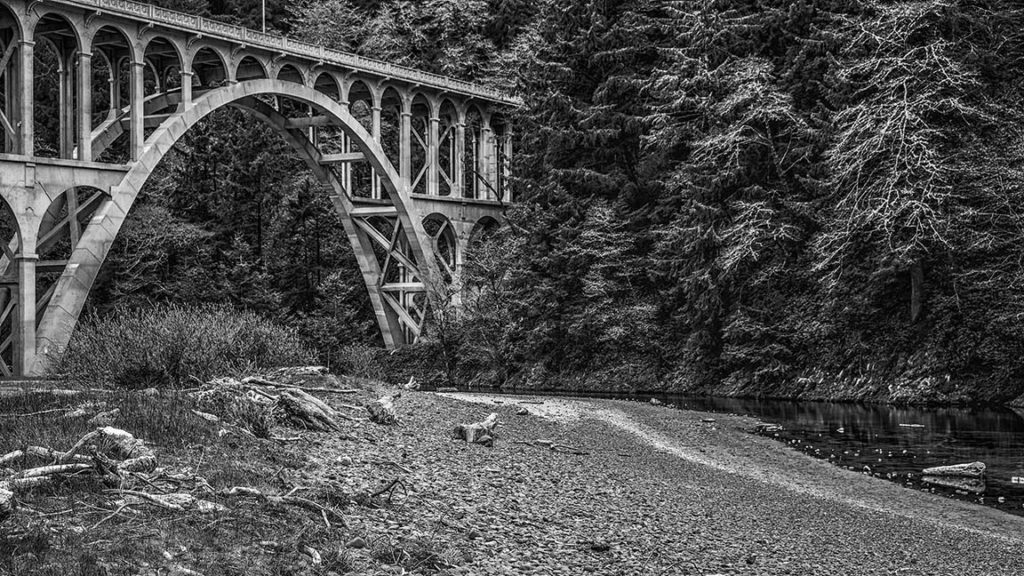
[(894, 443), (897, 443)]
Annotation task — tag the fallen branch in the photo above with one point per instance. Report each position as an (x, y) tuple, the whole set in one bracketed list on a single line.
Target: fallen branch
[(286, 500), (390, 489)]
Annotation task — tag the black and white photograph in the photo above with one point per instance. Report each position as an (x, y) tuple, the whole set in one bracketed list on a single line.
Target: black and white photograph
[(512, 287)]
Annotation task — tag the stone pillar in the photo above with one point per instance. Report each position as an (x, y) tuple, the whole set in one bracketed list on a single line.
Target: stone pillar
[(85, 106), (433, 156), (459, 174), (136, 122), (26, 98), (186, 90), (24, 321)]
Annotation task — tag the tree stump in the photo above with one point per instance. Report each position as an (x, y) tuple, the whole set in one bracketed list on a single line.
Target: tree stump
[(382, 410), (478, 432)]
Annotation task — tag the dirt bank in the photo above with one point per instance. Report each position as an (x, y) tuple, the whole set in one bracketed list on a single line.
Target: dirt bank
[(659, 491)]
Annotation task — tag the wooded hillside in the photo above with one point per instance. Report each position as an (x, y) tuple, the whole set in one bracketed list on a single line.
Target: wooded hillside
[(818, 199)]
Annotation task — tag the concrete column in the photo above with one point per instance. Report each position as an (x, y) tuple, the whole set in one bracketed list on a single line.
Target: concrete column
[(376, 191), (85, 106), (115, 90), (137, 115), (65, 107), (487, 161), (26, 98), (405, 145), (506, 189), (24, 321), (433, 156), (186, 89), (459, 173)]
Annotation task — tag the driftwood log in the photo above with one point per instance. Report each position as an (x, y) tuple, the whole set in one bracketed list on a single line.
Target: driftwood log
[(478, 432), (6, 503), (305, 411), (382, 410), (969, 470)]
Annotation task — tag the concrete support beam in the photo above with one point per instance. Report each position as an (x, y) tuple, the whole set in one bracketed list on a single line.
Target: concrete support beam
[(66, 107), (486, 162), (433, 156), (458, 174), (26, 98), (186, 90), (343, 158), (85, 106), (136, 115), (24, 321), (405, 145)]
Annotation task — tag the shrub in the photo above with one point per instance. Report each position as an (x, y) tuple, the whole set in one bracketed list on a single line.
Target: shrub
[(166, 345)]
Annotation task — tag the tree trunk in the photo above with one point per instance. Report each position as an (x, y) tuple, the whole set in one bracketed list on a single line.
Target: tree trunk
[(916, 290)]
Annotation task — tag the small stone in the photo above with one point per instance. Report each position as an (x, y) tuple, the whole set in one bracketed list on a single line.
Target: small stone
[(655, 402), (345, 461), (356, 542), (522, 412), (600, 546), (473, 534)]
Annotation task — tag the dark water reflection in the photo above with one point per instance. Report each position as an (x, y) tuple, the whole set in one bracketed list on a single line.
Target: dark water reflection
[(891, 442), (897, 443)]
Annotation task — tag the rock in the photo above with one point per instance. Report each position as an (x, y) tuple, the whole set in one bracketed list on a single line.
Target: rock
[(969, 470), (345, 461), (655, 402), (600, 546), (522, 412), (356, 542), (473, 534)]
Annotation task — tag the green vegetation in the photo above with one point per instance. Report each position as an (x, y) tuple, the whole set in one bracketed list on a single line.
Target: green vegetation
[(171, 346)]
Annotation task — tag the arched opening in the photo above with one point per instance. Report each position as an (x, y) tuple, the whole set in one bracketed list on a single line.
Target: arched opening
[(391, 124), (483, 228), (447, 158), (250, 68), (444, 243), (359, 175), (10, 35), (421, 113), (290, 73), (500, 164), (327, 84), (474, 181), (208, 69), (164, 63), (111, 88), (55, 74)]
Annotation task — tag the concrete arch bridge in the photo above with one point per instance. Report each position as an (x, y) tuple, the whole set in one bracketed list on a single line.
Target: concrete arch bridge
[(416, 163)]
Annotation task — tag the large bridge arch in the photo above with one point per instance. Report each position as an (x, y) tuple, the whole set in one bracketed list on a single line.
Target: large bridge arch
[(74, 285)]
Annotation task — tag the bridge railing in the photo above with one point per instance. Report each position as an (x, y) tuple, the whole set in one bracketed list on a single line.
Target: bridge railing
[(276, 42)]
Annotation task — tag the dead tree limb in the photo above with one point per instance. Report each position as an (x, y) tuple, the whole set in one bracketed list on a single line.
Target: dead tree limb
[(478, 432)]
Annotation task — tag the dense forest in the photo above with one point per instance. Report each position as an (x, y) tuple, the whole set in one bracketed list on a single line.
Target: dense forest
[(815, 199)]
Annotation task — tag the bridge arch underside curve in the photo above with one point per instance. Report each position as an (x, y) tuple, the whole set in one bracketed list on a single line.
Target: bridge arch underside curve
[(389, 243)]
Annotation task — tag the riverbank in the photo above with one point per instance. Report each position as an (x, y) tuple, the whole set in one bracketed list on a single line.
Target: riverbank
[(659, 492)]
